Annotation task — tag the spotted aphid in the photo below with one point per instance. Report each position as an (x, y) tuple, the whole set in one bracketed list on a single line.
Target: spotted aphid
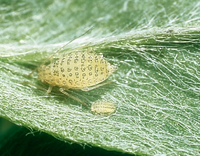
[(76, 70), (103, 107)]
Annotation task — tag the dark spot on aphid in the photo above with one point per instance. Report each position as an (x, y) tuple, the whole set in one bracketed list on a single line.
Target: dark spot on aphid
[(64, 82), (55, 73), (89, 67), (96, 68), (70, 81), (70, 56), (76, 60), (96, 74), (69, 69), (82, 60), (76, 56), (90, 73), (62, 69), (96, 59), (90, 59), (76, 68), (63, 75), (102, 61), (89, 81), (77, 74), (68, 62), (101, 73), (70, 74), (83, 56), (83, 75), (57, 62), (102, 68), (83, 69)]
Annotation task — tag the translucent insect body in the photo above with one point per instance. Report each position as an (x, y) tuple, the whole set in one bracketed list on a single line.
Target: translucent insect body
[(75, 70)]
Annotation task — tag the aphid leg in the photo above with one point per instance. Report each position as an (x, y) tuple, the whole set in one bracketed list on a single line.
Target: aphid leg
[(33, 71), (49, 89), (62, 91), (96, 86), (28, 83)]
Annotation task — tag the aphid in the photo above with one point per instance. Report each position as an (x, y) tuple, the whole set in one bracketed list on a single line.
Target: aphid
[(103, 107), (76, 70)]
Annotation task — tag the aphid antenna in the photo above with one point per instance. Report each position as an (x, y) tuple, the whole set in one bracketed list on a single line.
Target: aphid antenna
[(50, 57)]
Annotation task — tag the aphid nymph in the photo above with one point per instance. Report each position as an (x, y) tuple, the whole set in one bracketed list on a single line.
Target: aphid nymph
[(103, 107), (81, 70)]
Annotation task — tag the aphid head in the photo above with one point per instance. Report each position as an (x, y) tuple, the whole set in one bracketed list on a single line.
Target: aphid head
[(42, 72)]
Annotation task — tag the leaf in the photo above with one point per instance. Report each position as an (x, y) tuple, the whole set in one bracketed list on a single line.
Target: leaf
[(156, 49)]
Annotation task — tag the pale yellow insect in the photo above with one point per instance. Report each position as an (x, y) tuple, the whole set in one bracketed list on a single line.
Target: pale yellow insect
[(103, 107), (76, 70)]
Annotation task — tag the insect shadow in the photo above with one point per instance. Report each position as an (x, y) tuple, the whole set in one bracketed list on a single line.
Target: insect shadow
[(80, 69)]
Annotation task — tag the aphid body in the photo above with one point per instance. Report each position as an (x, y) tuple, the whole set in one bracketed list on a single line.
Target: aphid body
[(77, 70), (103, 107)]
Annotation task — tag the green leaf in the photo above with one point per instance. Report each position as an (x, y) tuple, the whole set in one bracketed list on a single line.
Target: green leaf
[(157, 86)]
